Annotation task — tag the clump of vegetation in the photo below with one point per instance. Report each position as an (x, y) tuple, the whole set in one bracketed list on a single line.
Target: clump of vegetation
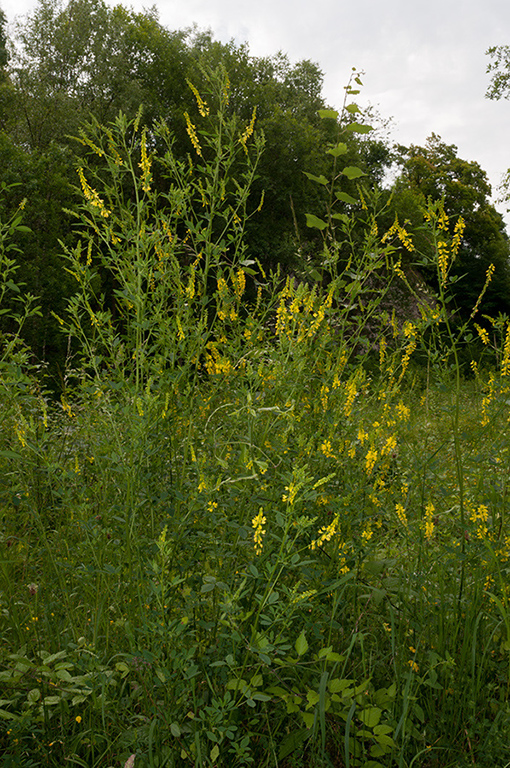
[(252, 530)]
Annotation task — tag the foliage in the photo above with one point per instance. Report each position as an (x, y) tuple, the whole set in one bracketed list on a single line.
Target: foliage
[(435, 172), (248, 533)]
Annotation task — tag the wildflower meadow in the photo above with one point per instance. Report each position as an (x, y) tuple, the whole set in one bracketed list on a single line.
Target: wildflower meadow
[(264, 522)]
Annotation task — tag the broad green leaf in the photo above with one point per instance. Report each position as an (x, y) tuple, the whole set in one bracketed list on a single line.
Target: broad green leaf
[(301, 645), (341, 217), (358, 128), (339, 149), (63, 674), (352, 172), (325, 113), (352, 108), (215, 752), (345, 198), (319, 179), (313, 221), (332, 656), (382, 730), (312, 697), (175, 730), (54, 656), (122, 667), (34, 695), (308, 718), (370, 716), (51, 700), (276, 690), (338, 684)]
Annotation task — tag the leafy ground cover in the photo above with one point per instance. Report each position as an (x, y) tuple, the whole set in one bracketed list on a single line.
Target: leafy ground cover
[(252, 531)]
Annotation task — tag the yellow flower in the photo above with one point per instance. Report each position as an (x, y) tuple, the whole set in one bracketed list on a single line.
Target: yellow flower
[(78, 718), (326, 533), (248, 130), (289, 498), (202, 106), (370, 460), (258, 531), (145, 164), (190, 128), (399, 509), (429, 522)]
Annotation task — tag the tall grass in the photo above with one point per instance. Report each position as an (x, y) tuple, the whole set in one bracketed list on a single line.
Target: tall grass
[(252, 531)]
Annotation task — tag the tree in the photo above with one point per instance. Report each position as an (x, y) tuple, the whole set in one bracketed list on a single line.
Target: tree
[(435, 171)]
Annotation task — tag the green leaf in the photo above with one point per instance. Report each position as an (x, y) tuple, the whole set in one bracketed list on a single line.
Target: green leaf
[(215, 752), (63, 674), (122, 667), (345, 198), (337, 685), (5, 715), (370, 716), (308, 718), (301, 645), (34, 695), (327, 113), (340, 149), (261, 697), (352, 172), (10, 455), (341, 217), (292, 742), (358, 128), (312, 697), (335, 657), (352, 108), (51, 700), (175, 730), (313, 221), (319, 179), (54, 656)]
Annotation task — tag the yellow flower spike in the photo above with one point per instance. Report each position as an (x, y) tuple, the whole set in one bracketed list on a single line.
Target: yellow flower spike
[(248, 130), (482, 332), (191, 131), (505, 362), (201, 104), (401, 514), (145, 163), (442, 259), (258, 531), (429, 520)]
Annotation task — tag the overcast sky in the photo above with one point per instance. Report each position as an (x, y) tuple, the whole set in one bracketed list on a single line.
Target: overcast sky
[(424, 62)]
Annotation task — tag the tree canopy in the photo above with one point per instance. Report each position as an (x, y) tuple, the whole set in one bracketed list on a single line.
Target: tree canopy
[(435, 171), (81, 60)]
